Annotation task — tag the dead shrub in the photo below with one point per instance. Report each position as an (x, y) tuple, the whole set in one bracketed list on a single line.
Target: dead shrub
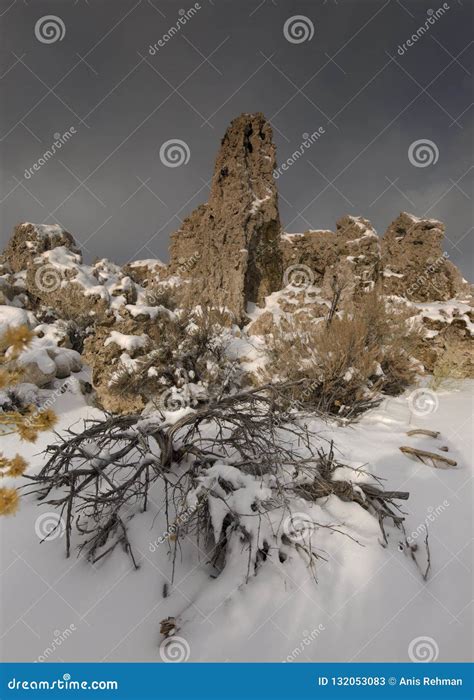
[(234, 474)]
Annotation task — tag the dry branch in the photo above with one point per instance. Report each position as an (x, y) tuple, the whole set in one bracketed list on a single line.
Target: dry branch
[(422, 431), (424, 455)]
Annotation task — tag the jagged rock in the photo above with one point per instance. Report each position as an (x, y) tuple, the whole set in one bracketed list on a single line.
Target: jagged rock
[(263, 325), (30, 240), (414, 263), (446, 347), (228, 249), (228, 253), (83, 293), (57, 279), (108, 361), (7, 291), (357, 268), (143, 272), (317, 250), (348, 259)]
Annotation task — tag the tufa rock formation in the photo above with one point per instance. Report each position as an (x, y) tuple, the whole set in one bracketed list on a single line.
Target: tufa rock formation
[(30, 240), (234, 238), (415, 265), (230, 253)]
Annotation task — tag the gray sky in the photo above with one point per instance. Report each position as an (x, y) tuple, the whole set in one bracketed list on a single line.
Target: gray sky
[(107, 184)]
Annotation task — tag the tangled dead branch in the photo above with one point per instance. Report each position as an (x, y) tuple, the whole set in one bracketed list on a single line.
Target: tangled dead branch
[(248, 454)]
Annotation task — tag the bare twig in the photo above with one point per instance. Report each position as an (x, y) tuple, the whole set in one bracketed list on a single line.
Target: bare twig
[(424, 456)]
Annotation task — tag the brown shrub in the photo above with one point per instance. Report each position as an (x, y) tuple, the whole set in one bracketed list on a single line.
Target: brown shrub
[(344, 365)]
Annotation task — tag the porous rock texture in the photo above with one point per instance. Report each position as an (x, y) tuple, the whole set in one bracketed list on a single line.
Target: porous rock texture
[(31, 240), (234, 238), (416, 266)]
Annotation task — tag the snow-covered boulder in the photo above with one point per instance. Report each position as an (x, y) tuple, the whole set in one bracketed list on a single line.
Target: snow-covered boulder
[(42, 363), (143, 272), (13, 317), (30, 240)]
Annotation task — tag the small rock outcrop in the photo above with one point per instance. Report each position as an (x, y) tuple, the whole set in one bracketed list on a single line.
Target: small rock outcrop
[(414, 263), (28, 241), (228, 249)]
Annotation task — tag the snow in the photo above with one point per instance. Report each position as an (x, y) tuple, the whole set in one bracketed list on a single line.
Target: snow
[(130, 343), (38, 356), (148, 262), (390, 273), (292, 237), (47, 230), (349, 374), (447, 312), (152, 311), (12, 317), (369, 601), (257, 203), (417, 219), (104, 279)]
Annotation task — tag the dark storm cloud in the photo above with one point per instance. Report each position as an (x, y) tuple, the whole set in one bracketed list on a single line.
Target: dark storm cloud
[(355, 77)]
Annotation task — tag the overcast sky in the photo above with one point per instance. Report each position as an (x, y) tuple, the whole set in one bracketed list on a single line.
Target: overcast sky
[(340, 68)]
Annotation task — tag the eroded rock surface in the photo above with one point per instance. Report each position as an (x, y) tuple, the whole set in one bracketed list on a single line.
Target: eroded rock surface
[(30, 240), (414, 263), (229, 247)]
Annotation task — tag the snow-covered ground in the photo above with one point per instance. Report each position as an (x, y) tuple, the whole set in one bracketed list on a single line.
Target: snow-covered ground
[(369, 602)]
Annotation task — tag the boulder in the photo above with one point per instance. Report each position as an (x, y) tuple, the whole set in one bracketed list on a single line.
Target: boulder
[(446, 346), (12, 317), (30, 240), (144, 272), (414, 265)]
